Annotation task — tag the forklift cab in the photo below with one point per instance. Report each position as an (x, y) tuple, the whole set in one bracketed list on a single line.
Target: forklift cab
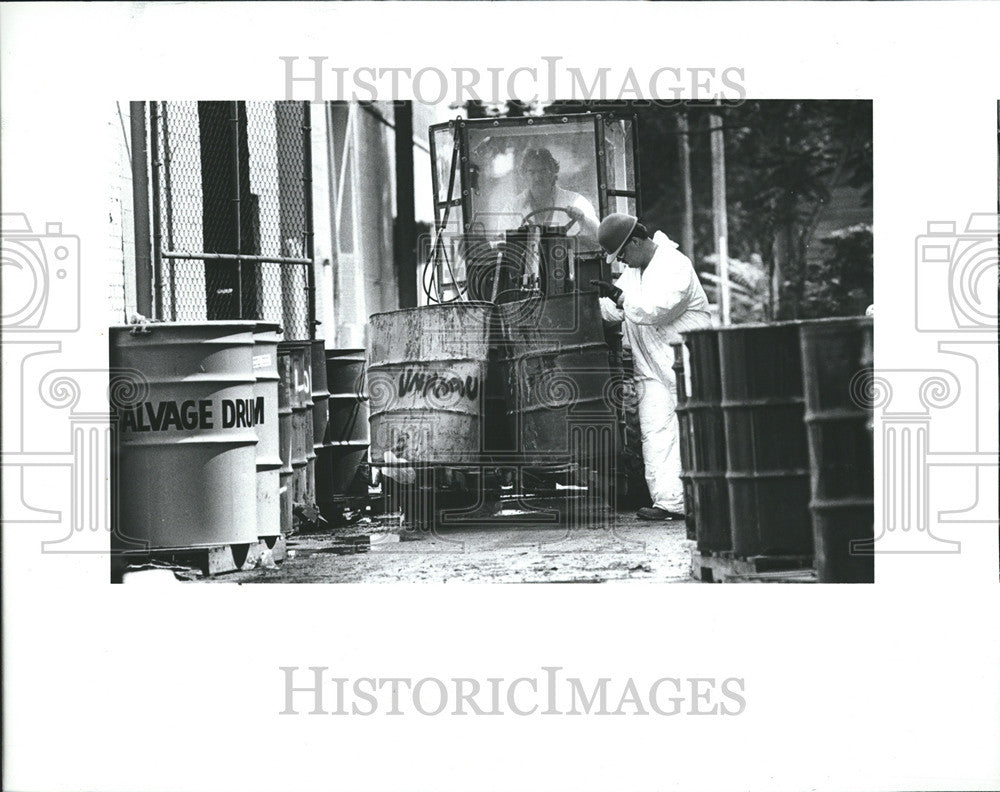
[(517, 202)]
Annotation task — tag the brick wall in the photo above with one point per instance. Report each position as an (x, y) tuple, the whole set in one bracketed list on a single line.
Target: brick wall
[(120, 251)]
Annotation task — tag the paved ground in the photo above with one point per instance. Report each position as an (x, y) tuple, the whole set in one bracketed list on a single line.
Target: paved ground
[(606, 548)]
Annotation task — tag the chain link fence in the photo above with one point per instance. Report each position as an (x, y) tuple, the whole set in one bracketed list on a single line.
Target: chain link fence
[(232, 213)]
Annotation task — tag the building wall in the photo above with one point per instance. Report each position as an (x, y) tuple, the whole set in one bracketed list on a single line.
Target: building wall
[(121, 230), (356, 259), (376, 207)]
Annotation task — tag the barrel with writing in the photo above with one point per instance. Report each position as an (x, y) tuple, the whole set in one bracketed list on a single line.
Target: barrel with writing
[(265, 368), (425, 381), (184, 411)]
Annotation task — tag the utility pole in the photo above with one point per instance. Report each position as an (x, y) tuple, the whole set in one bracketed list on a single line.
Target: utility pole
[(405, 236), (719, 220), (684, 162)]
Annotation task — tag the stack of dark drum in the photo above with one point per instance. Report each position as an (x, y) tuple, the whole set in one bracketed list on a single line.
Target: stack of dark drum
[(777, 454)]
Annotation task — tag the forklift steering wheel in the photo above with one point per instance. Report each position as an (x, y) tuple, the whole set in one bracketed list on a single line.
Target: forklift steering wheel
[(572, 220)]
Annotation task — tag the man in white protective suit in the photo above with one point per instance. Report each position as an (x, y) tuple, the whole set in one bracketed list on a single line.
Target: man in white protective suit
[(658, 296)]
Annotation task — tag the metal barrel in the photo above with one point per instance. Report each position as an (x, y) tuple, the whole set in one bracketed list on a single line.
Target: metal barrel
[(183, 402), (310, 434), (766, 450), (345, 446), (706, 470), (320, 408), (265, 369), (425, 381), (286, 488), (558, 375), (497, 437), (300, 393), (631, 476), (348, 402), (837, 356), (684, 437)]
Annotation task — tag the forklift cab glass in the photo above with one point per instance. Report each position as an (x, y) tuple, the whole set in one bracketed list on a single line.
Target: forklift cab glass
[(541, 175), (444, 145)]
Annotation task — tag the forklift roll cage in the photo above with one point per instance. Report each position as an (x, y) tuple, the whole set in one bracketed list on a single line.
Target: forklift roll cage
[(461, 190)]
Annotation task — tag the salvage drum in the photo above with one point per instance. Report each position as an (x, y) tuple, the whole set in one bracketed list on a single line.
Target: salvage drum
[(185, 412)]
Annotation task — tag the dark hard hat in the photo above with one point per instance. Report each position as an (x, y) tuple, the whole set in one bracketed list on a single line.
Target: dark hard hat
[(613, 233)]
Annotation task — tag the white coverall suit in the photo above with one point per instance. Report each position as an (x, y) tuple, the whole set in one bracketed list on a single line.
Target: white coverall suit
[(660, 302)]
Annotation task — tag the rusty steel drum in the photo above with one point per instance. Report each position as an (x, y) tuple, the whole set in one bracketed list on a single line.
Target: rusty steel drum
[(425, 381), (265, 369), (684, 438), (560, 401), (286, 489), (183, 472), (766, 450), (344, 452), (702, 410), (300, 392), (837, 356)]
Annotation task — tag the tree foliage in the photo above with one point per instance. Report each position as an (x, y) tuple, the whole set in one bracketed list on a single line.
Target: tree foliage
[(784, 159)]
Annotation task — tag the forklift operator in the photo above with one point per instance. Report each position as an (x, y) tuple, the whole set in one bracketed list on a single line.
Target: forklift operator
[(545, 203)]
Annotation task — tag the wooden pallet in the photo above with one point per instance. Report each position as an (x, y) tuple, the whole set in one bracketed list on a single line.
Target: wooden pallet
[(726, 568), (208, 561)]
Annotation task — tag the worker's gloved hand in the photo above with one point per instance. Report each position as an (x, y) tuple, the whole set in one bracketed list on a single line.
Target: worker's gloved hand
[(606, 289)]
